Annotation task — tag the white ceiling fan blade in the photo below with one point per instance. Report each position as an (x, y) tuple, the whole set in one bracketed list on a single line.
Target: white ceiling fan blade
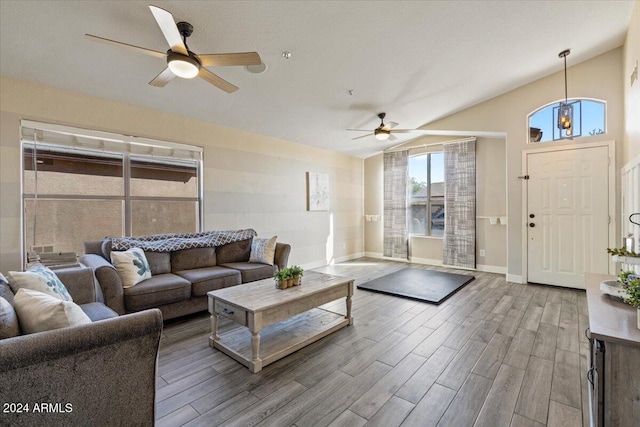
[(131, 47), (217, 81), (167, 24), (230, 59), (163, 78), (363, 136), (360, 130), (391, 137)]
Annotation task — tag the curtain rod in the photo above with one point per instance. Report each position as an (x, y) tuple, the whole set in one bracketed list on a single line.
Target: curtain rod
[(453, 141)]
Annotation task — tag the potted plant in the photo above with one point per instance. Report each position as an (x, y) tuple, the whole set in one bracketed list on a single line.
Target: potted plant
[(283, 278), (296, 273), (631, 284)]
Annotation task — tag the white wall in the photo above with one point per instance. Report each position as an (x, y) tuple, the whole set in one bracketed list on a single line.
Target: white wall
[(632, 93), (250, 181)]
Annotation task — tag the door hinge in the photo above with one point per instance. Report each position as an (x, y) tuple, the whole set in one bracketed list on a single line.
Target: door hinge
[(523, 177)]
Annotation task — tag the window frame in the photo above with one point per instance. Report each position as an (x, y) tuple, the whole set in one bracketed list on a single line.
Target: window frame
[(125, 152), (429, 199), (554, 119)]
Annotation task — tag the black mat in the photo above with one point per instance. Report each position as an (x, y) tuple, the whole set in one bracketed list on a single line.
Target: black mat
[(424, 285)]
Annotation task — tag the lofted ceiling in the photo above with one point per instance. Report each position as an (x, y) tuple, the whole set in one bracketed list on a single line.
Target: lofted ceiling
[(415, 60)]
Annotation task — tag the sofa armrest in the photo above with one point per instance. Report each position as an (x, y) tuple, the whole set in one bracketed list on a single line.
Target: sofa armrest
[(94, 372), (80, 283), (282, 255), (108, 280)]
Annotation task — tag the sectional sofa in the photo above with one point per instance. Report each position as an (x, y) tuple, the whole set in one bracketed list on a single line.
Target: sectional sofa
[(180, 279)]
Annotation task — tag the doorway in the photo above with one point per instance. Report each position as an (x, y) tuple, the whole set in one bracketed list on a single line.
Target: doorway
[(567, 213)]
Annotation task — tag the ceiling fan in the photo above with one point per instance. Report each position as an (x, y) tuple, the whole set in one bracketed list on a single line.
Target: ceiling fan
[(181, 62), (385, 131)]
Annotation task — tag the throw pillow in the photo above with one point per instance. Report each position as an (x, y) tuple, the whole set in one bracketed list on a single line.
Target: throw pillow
[(132, 266), (39, 312), (9, 326), (39, 278), (263, 250)]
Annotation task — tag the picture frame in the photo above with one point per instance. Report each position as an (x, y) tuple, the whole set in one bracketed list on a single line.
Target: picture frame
[(317, 191)]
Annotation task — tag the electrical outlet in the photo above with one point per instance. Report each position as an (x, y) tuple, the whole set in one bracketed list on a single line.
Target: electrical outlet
[(482, 253)]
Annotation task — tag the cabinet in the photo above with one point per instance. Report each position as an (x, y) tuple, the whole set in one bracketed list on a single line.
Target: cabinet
[(614, 358)]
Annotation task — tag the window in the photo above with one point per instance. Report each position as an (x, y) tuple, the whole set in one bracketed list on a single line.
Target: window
[(426, 194), (589, 118), (81, 185)]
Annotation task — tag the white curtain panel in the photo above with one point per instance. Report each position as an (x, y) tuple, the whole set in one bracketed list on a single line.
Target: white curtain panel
[(396, 166), (459, 245)]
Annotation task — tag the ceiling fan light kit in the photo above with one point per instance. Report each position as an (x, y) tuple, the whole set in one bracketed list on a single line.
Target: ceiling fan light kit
[(186, 67)]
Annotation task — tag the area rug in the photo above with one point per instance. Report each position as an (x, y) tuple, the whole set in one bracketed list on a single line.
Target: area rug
[(424, 285)]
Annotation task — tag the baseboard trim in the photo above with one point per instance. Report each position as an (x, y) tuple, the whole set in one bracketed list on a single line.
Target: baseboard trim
[(514, 278), (491, 269)]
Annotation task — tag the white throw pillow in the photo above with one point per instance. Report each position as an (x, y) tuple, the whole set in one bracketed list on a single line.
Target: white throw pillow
[(39, 312), (39, 278), (132, 266), (263, 250)]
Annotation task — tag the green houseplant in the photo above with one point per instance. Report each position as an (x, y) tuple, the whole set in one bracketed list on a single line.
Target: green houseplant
[(296, 273), (288, 276), (631, 284)]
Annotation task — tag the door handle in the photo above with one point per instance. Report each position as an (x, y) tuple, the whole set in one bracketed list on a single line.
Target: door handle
[(531, 224)]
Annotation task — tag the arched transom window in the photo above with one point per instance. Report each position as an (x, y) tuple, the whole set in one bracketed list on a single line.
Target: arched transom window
[(589, 118)]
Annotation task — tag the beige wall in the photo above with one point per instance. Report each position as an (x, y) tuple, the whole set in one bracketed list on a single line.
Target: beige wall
[(598, 78), (491, 201), (249, 180), (632, 93)]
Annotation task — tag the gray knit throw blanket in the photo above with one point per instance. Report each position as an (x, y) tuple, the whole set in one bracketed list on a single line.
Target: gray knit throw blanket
[(179, 241)]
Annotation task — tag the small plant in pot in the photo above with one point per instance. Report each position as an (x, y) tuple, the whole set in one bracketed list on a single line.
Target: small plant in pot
[(283, 278), (296, 273), (631, 284)]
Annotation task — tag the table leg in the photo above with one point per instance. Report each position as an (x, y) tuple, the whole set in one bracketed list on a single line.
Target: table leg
[(256, 362), (348, 316), (214, 329)]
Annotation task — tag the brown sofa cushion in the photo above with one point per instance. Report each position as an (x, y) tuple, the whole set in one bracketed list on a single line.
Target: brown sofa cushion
[(158, 290), (210, 279), (234, 252), (251, 271), (159, 262)]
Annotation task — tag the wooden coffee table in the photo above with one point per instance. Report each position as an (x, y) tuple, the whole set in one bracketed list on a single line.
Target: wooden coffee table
[(278, 322)]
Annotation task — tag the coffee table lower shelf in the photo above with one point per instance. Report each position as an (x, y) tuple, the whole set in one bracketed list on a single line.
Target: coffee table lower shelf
[(280, 339)]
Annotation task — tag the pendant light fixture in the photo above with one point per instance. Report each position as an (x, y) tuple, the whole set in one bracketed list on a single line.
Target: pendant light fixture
[(565, 111)]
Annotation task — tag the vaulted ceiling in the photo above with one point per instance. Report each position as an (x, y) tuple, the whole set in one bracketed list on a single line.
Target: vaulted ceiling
[(415, 60)]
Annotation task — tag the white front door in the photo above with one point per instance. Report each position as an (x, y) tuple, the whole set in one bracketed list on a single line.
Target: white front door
[(567, 215)]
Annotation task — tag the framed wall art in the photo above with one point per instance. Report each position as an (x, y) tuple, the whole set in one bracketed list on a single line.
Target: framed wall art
[(317, 191)]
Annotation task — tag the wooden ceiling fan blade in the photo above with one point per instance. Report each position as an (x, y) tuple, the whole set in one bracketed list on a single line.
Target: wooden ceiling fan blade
[(230, 59), (167, 25), (163, 78), (363, 136), (217, 81), (131, 47), (409, 131), (390, 125)]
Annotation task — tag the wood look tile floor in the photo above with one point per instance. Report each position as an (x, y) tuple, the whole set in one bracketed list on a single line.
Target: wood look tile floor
[(494, 354)]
